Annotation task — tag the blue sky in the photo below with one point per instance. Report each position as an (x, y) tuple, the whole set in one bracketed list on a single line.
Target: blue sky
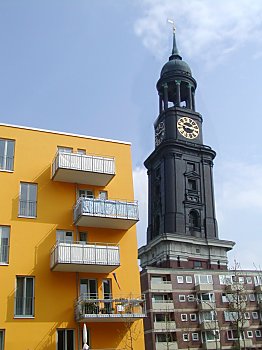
[(90, 67)]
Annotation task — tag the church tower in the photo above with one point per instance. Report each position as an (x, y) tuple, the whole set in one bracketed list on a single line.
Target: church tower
[(182, 228)]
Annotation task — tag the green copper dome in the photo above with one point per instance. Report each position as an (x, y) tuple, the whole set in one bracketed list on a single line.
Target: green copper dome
[(175, 65)]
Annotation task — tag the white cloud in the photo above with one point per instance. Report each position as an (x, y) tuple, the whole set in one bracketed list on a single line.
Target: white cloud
[(209, 30)]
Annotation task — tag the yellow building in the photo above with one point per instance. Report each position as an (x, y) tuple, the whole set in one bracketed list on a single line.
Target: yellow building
[(68, 249)]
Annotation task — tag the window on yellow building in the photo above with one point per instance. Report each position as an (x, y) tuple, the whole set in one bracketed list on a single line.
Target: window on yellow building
[(65, 339), (7, 149), (63, 236), (27, 200), (4, 244), (2, 339), (88, 288), (24, 296)]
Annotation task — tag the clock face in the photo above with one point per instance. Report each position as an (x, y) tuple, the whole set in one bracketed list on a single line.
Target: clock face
[(159, 133), (187, 127)]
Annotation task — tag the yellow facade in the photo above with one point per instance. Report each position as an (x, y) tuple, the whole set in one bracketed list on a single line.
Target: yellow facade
[(36, 323)]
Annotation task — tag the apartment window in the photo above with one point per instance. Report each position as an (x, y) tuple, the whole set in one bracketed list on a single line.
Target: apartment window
[(247, 316), (249, 334), (180, 279), (86, 193), (2, 339), (208, 316), (27, 200), (88, 288), (211, 335), (255, 315), (252, 297), (65, 339), (7, 148), (205, 279), (83, 237), (183, 317), (232, 334), (189, 279), (241, 280), (63, 236), (65, 149), (81, 151), (160, 317), (258, 280), (225, 279), (182, 298), (258, 333), (195, 336), (191, 297), (4, 244), (231, 316), (165, 337), (249, 280), (24, 297), (185, 336), (193, 317), (206, 297), (103, 195)]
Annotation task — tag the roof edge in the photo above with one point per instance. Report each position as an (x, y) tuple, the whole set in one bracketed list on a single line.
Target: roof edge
[(64, 133)]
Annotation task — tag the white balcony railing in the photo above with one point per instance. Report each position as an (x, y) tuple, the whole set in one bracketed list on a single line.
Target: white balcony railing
[(162, 305), (95, 212), (81, 168), (111, 309), (161, 285), (89, 257)]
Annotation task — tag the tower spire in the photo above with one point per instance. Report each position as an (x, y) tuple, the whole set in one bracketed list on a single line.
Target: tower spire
[(175, 52)]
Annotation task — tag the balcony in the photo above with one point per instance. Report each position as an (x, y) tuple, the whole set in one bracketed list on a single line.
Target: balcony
[(163, 305), (211, 345), (165, 326), (83, 169), (93, 212), (79, 257), (163, 285), (164, 346), (121, 309), (206, 305), (204, 287), (209, 325)]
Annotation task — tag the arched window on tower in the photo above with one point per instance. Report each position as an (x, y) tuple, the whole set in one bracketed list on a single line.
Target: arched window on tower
[(194, 220)]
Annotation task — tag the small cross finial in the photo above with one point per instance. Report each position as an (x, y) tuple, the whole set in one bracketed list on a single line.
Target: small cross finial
[(173, 24)]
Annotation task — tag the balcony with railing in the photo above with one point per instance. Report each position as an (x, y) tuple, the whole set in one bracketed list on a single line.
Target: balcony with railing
[(165, 326), (163, 305), (172, 345), (161, 285), (110, 309), (209, 325), (88, 257), (4, 254), (83, 169), (95, 212), (206, 305)]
